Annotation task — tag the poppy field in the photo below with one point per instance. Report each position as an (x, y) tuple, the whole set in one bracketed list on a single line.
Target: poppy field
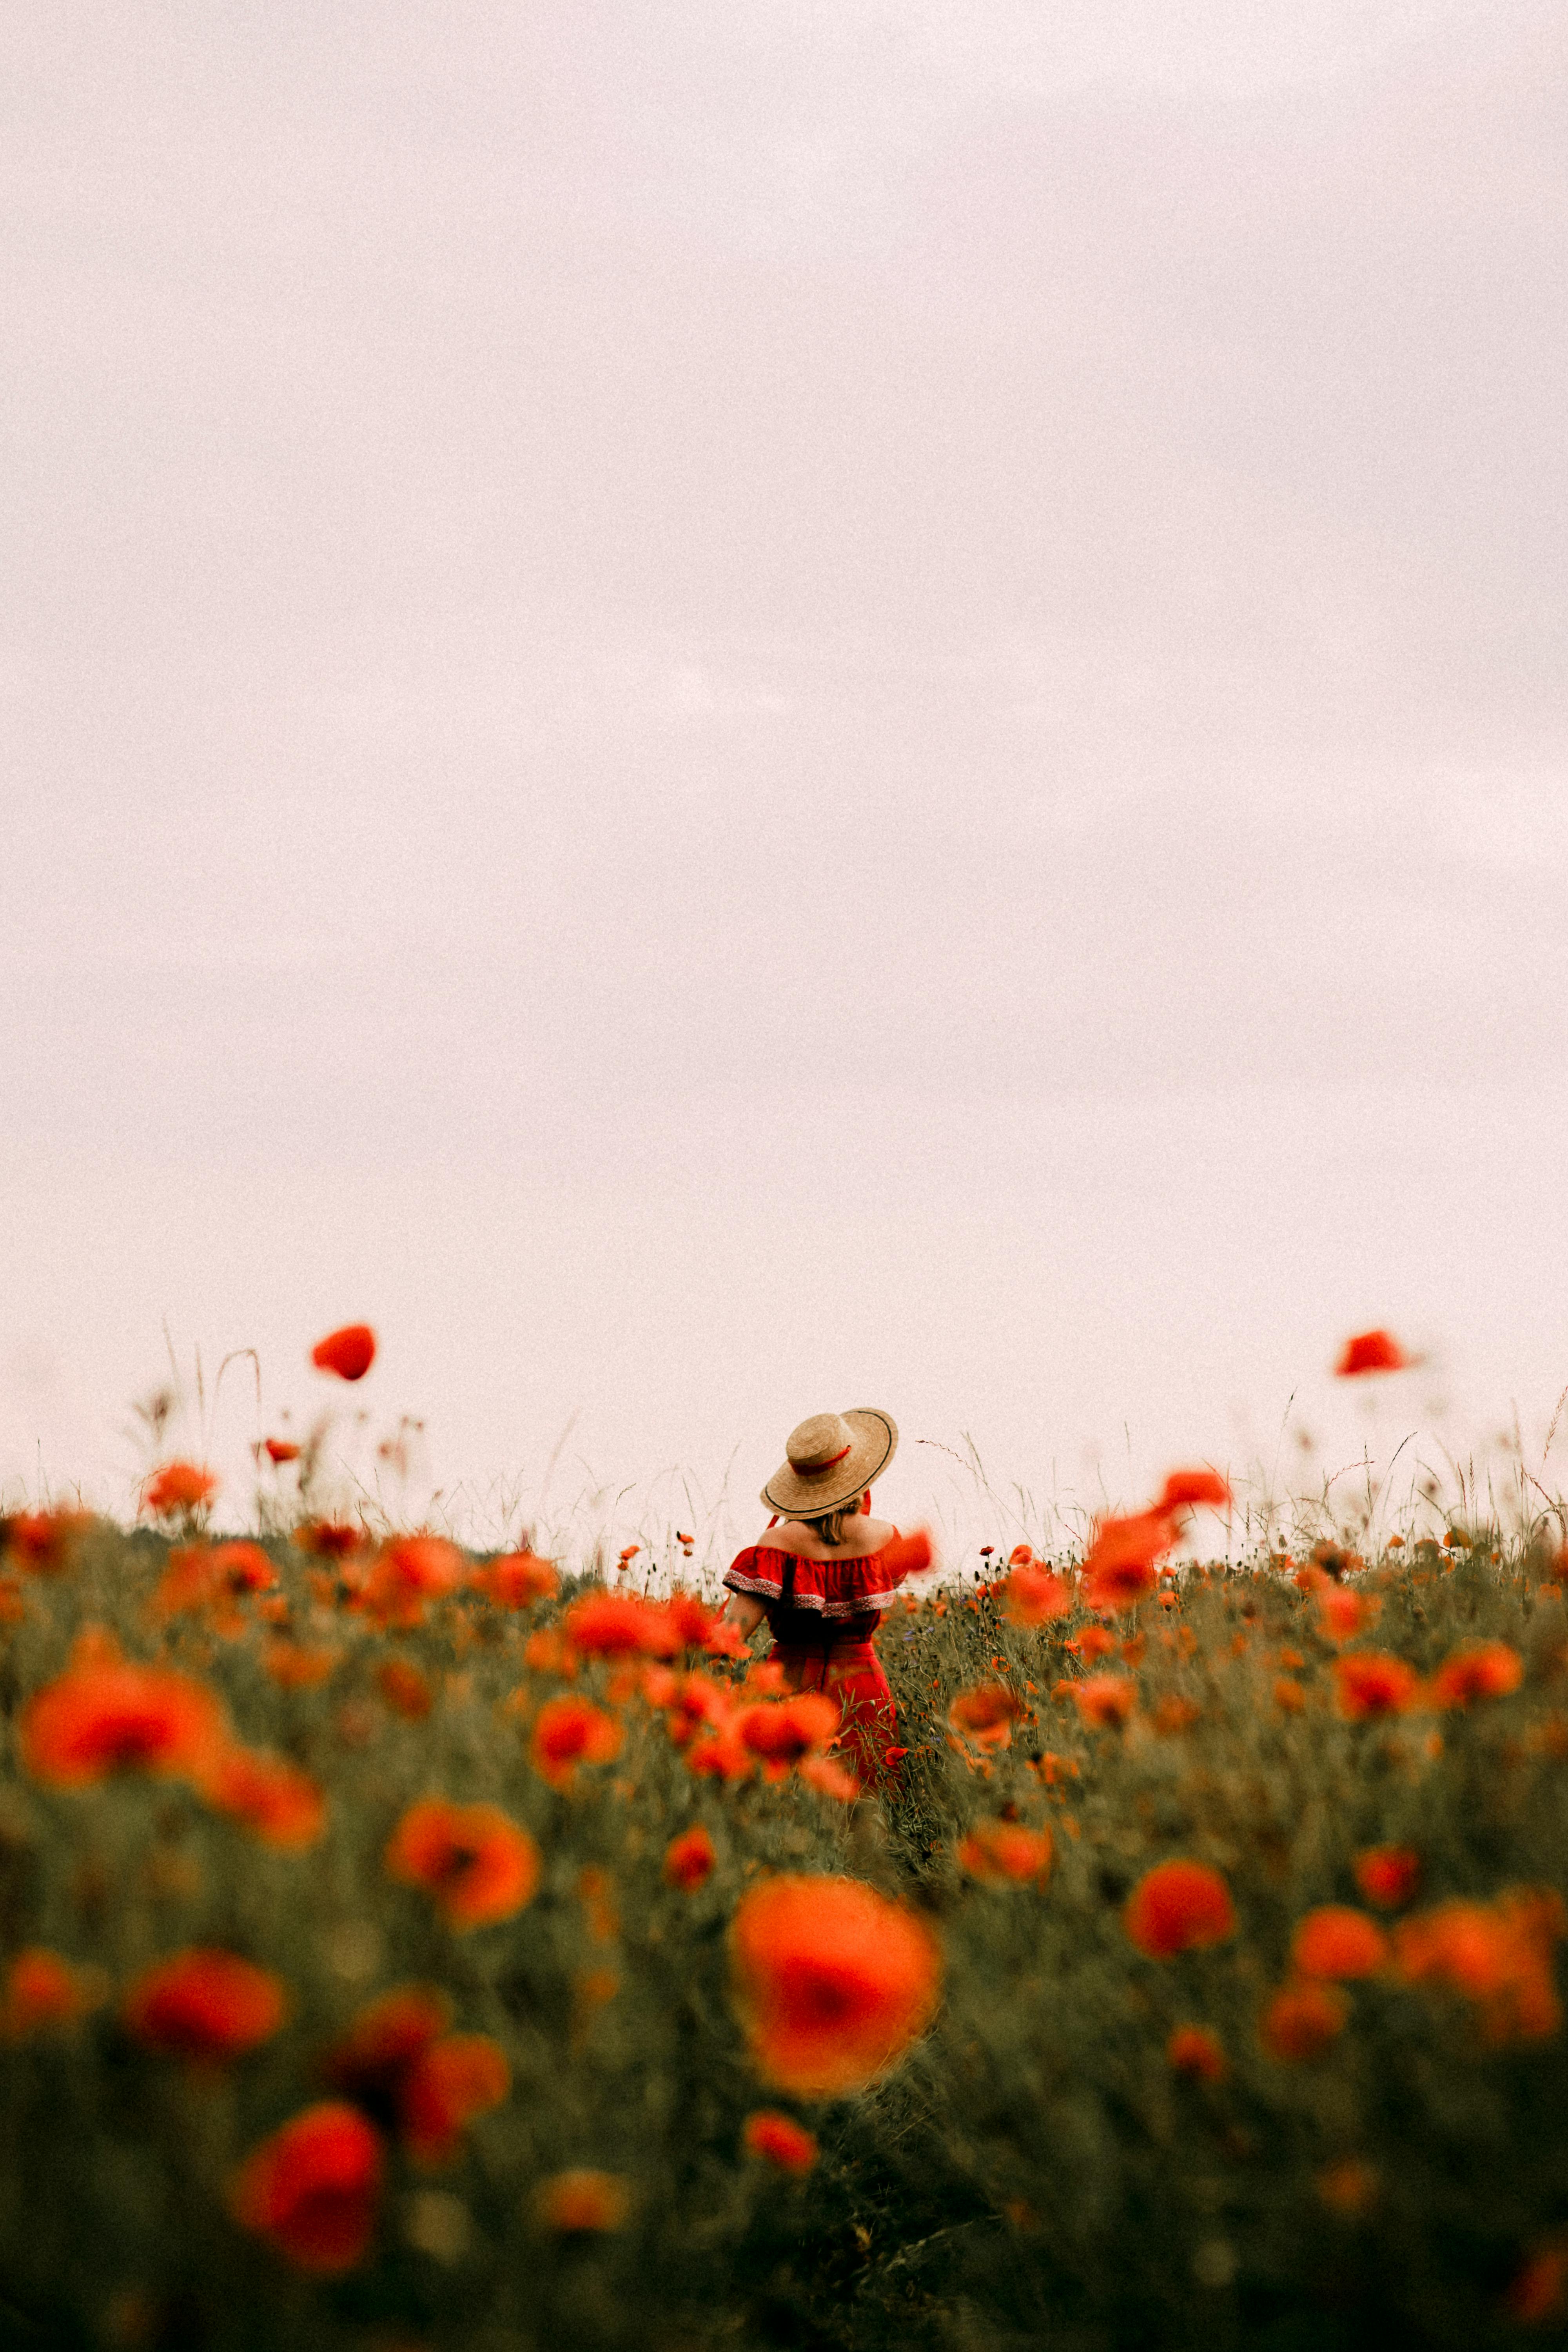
[(402, 1947)]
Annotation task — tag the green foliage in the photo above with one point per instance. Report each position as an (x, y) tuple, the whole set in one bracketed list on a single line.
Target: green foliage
[(1035, 2173)]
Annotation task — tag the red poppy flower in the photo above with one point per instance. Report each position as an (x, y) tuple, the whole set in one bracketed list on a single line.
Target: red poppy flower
[(410, 1572), (473, 1861), (830, 1779), (1006, 1850), (1302, 2020), (294, 1667), (1335, 1941), (581, 2200), (688, 1859), (1483, 1670), (1120, 1565), (405, 1689), (620, 1624), (784, 1730), (1106, 1700), (43, 1993), (779, 2140), (445, 2087), (279, 1450), (41, 1542), (1034, 1596), (348, 1352), (112, 1716), (1371, 1352), (178, 1486), (1499, 1955), (312, 2187), (369, 2062), (1094, 1641), (518, 1581), (1179, 1906), (985, 1715), (1387, 1875), (832, 1980), (329, 1538), (1195, 2050), (568, 1732), (275, 1800), (906, 1555), (1539, 2288), (1185, 1487), (1373, 1683), (205, 2005)]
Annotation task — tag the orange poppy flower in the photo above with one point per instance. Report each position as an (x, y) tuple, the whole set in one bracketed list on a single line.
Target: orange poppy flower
[(369, 2062), (349, 1351), (1184, 1487), (473, 1861), (1335, 1941), (1344, 1614), (1499, 1955), (784, 1730), (1179, 1906), (1175, 1714), (312, 2189), (1006, 1850), (688, 1859), (581, 2200), (518, 1581), (1106, 1700), (832, 1980), (1387, 1875), (405, 1689), (1034, 1596), (1288, 1695), (907, 1556), (329, 1538), (43, 1993), (1482, 1670), (568, 1732), (410, 1572), (1120, 1565), (1373, 1683), (41, 1542), (620, 1624), (832, 1779), (178, 1486), (1300, 2021), (279, 1450), (205, 2005), (1094, 1641), (985, 1715), (445, 2087), (779, 2139), (293, 1666), (274, 1798), (1371, 1352), (1195, 2050), (112, 1717)]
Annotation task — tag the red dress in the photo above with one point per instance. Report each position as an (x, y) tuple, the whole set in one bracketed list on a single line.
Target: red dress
[(822, 1614)]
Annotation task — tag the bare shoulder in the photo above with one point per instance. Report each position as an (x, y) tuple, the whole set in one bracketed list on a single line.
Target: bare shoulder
[(861, 1537)]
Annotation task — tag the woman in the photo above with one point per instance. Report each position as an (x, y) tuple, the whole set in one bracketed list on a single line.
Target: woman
[(824, 1577)]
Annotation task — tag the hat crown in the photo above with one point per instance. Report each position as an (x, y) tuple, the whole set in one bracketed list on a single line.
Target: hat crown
[(818, 1443)]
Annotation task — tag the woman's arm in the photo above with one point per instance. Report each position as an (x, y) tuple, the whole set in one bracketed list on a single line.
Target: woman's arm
[(742, 1609)]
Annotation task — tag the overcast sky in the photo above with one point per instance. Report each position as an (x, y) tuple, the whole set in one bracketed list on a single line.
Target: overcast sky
[(727, 709)]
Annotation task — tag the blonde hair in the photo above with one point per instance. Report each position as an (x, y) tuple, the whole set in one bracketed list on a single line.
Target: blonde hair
[(829, 1525)]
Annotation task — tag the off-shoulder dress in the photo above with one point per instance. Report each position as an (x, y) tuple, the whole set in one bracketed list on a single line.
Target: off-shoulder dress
[(823, 1614)]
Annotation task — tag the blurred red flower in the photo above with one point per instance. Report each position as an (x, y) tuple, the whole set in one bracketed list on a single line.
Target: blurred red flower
[(1387, 1875), (985, 1714), (43, 1992), (178, 1486), (409, 1571), (369, 2062), (1499, 1955), (620, 1624), (1337, 1941), (312, 2187), (329, 1538), (1483, 1670), (41, 1542), (1300, 2021), (784, 1730), (1371, 1352), (1373, 1683), (1106, 1700), (518, 1581), (279, 1450), (1034, 1595), (349, 1351), (1185, 1487), (832, 1980), (1006, 1850), (1179, 1906), (405, 1689), (583, 2200), (1344, 1614), (1539, 2288), (1195, 2050), (688, 1859), (205, 2004), (1094, 1641), (275, 1800), (832, 1779), (780, 2139), (1120, 1565), (446, 2085), (473, 1861), (112, 1716), (568, 1732)]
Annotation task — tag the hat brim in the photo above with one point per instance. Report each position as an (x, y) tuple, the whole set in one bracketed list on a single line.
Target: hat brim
[(874, 1442)]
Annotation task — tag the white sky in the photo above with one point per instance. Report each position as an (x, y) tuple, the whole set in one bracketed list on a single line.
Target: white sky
[(731, 708)]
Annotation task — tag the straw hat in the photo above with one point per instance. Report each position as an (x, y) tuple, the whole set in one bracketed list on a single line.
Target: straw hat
[(833, 1457)]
